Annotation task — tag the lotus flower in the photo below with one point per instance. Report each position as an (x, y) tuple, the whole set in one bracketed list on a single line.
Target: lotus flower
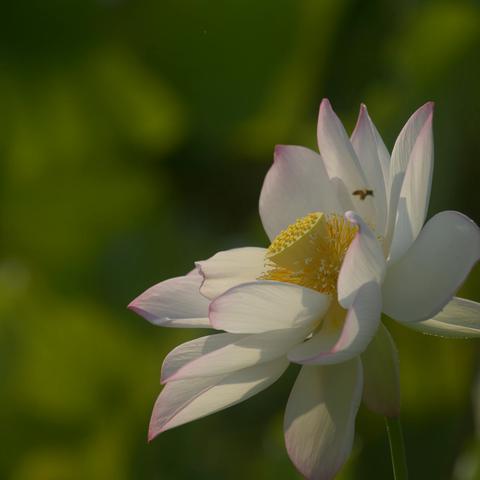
[(348, 241)]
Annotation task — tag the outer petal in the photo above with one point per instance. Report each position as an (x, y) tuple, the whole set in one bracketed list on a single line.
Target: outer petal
[(460, 318), (186, 400), (365, 141), (174, 303), (419, 285), (320, 418), (359, 328), (381, 389), (296, 185), (342, 163), (246, 351), (190, 351), (363, 263), (265, 305), (400, 158), (415, 193), (229, 268)]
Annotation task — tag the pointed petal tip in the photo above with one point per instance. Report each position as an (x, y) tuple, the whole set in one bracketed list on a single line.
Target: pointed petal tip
[(135, 307), (325, 105), (278, 151), (428, 107), (154, 432)]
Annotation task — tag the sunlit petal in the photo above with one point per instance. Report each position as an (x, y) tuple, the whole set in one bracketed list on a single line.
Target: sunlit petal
[(296, 185), (176, 302), (229, 268), (265, 305)]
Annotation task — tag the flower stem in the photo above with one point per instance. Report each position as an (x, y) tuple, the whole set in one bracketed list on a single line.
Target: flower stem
[(397, 448)]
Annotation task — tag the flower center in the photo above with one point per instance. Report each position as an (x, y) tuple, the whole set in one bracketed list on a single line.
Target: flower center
[(310, 252)]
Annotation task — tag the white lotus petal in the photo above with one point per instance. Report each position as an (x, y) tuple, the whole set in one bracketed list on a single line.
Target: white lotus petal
[(360, 325), (176, 302), (363, 263), (365, 143), (381, 377), (460, 318), (229, 268), (342, 163), (415, 193), (384, 157), (186, 400), (424, 280), (187, 352), (296, 185), (265, 305), (245, 352), (400, 157), (320, 418)]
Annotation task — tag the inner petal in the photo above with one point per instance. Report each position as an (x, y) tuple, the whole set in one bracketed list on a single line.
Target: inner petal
[(310, 252)]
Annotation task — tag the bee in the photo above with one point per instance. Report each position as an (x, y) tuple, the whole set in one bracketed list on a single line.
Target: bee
[(363, 194)]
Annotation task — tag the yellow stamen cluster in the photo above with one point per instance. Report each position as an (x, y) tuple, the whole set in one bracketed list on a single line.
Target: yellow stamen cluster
[(293, 233), (310, 252)]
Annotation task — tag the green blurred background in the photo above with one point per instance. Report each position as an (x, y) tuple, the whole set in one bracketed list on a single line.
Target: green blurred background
[(134, 138)]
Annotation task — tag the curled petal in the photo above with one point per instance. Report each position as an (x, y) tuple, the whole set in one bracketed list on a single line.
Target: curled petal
[(363, 263), (296, 185), (425, 279), (460, 318), (360, 325), (229, 268), (320, 418), (186, 400), (176, 302)]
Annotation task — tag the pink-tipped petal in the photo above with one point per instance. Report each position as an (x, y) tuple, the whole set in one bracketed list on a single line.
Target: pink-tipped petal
[(296, 185), (320, 417), (425, 279), (342, 164), (186, 400), (229, 268), (359, 327), (381, 377), (366, 145), (460, 318), (415, 193), (364, 262), (176, 302), (400, 157)]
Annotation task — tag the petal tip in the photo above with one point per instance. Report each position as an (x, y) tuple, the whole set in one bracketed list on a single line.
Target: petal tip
[(153, 432), (325, 105), (353, 217)]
